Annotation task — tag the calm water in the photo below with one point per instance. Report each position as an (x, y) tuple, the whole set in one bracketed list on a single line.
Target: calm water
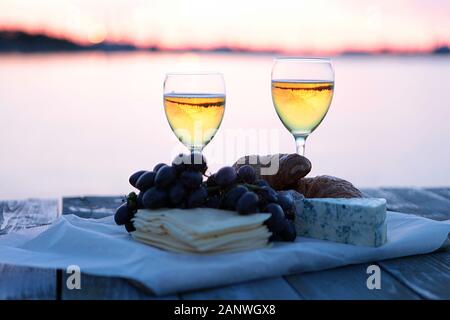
[(80, 124)]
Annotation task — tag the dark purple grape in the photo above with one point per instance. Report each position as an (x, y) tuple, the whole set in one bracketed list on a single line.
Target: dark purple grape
[(286, 201), (135, 176), (140, 204), (165, 176), (277, 222), (211, 181), (246, 174), (191, 179), (177, 193), (262, 183), (197, 162), (158, 166), (179, 162), (213, 202), (155, 198), (275, 237), (129, 227), (182, 205), (123, 214), (268, 194), (197, 198), (225, 176), (247, 203), (146, 181), (290, 215), (289, 233), (232, 196), (194, 162)]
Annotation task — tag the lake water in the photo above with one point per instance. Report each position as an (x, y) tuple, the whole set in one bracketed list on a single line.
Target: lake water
[(73, 124)]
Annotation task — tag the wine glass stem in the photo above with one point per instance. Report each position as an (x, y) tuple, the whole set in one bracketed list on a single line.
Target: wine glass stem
[(195, 149), (300, 142)]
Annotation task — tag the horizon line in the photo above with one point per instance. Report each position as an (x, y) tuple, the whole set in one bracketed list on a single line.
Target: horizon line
[(109, 45)]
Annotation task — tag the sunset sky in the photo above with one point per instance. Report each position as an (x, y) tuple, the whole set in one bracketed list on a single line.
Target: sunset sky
[(291, 25)]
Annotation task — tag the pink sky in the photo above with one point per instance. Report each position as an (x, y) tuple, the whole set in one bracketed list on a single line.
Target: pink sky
[(320, 25)]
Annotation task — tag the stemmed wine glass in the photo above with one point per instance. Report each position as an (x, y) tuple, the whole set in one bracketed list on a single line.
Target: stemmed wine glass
[(194, 104), (302, 90)]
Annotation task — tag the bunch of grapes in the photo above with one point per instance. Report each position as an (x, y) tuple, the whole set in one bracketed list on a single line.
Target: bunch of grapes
[(182, 185)]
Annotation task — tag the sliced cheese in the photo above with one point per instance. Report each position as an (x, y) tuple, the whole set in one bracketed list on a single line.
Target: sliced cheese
[(200, 230), (202, 221)]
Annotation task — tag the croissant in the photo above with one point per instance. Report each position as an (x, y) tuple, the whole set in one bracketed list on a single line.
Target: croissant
[(327, 187)]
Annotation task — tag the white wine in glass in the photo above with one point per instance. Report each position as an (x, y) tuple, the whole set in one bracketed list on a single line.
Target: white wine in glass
[(194, 105), (302, 90)]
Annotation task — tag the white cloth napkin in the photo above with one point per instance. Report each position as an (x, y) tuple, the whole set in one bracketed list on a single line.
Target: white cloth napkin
[(99, 247)]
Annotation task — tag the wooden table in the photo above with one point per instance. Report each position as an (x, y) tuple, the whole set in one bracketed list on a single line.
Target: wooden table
[(416, 277)]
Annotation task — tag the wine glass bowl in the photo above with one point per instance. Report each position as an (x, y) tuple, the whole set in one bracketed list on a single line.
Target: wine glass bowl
[(302, 90), (194, 104)]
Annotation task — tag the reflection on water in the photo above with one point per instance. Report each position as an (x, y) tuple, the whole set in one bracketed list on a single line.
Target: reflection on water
[(81, 123)]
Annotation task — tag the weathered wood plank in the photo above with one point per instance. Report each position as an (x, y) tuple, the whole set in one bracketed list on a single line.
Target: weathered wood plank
[(443, 192), (27, 283), (427, 275), (22, 214), (104, 288), (22, 282), (414, 200), (91, 207), (266, 289), (348, 283)]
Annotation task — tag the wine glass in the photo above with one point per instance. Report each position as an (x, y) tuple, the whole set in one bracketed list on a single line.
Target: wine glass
[(194, 104), (302, 89)]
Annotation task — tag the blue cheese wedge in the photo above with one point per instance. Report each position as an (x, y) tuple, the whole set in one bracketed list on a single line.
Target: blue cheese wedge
[(358, 221)]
